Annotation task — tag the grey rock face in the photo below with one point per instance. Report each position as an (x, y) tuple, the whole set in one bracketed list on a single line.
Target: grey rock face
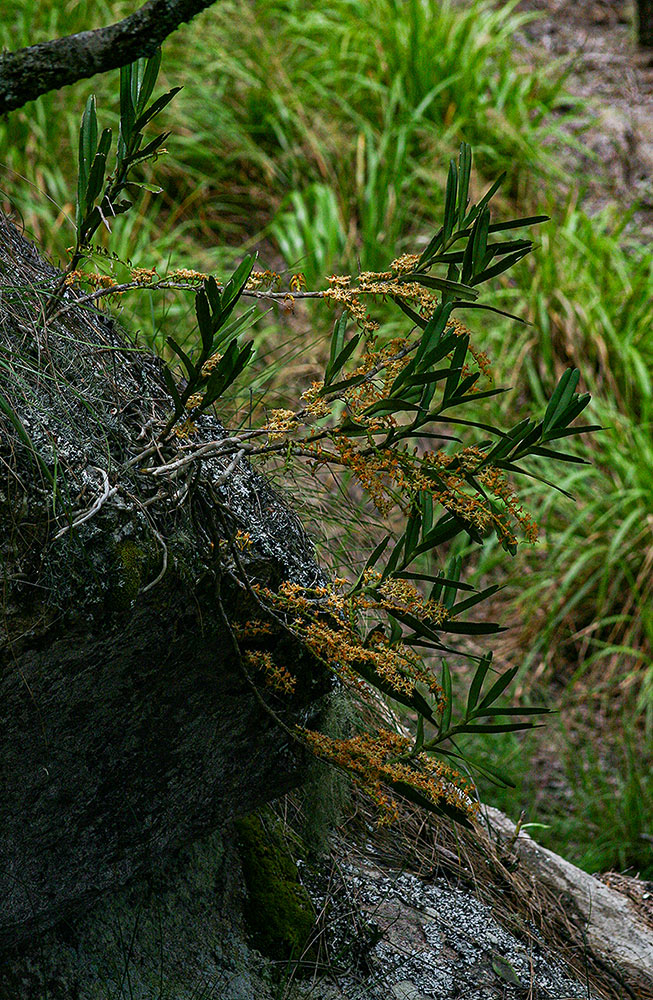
[(127, 724), (417, 940), (380, 935)]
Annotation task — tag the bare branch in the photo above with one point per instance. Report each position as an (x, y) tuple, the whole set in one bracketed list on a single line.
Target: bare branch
[(30, 72)]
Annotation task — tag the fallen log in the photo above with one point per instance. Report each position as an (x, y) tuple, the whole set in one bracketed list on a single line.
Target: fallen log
[(613, 927)]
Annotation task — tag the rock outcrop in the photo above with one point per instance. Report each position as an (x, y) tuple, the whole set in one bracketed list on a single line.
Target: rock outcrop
[(128, 725), (353, 927)]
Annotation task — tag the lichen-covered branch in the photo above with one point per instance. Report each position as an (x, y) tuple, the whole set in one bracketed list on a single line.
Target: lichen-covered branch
[(30, 72)]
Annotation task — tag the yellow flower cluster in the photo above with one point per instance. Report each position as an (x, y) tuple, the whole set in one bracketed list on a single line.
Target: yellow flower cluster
[(402, 595), (251, 630), (262, 280), (97, 280), (193, 401), (313, 403), (242, 539), (276, 675), (279, 423), (321, 625), (143, 275), (211, 363), (185, 429), (494, 481), (374, 762), (407, 262), (184, 274), (378, 284)]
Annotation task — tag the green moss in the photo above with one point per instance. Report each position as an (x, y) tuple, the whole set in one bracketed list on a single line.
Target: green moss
[(131, 560), (278, 910)]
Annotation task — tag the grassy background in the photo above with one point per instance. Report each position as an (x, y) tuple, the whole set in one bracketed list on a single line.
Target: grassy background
[(320, 135)]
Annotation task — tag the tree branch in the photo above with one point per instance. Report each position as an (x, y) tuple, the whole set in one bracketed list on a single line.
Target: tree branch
[(30, 72)]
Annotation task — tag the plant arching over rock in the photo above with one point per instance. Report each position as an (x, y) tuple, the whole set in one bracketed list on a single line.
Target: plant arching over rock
[(397, 417)]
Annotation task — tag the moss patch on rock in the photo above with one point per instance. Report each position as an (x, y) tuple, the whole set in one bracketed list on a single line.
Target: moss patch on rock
[(278, 910)]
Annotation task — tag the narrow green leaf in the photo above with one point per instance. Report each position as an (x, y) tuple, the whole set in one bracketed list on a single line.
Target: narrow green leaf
[(477, 683), (461, 606), (450, 201), (392, 405), (174, 392), (499, 686), (485, 200), (433, 246), (442, 808), (503, 265), (575, 407), (479, 241), (496, 712), (241, 361), (426, 505), (561, 396), (154, 109), (464, 174), (442, 284), (127, 111), (188, 364), (508, 727), (148, 81), (204, 322), (411, 534), (414, 316), (147, 151), (88, 133), (95, 178), (445, 721), (419, 738), (500, 312), (457, 361), (472, 628), (496, 775), (342, 358), (533, 220)]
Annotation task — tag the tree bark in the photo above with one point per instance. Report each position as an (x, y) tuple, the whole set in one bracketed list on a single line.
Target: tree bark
[(30, 72), (128, 721)]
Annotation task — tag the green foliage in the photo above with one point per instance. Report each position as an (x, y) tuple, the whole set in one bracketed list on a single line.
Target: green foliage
[(587, 592), (595, 809), (97, 195)]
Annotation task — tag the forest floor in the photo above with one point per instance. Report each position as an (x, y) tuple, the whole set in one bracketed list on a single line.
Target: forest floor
[(614, 152)]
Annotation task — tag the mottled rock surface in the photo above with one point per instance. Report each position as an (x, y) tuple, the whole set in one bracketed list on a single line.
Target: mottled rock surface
[(128, 726), (380, 934)]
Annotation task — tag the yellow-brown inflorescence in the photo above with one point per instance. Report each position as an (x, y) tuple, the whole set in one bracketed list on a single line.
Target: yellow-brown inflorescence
[(375, 762), (392, 477), (276, 674), (327, 624), (325, 621)]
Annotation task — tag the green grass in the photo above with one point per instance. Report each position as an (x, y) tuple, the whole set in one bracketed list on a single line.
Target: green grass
[(320, 134), (596, 808)]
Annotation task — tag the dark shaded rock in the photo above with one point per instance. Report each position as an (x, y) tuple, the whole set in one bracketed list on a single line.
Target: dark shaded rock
[(128, 726)]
